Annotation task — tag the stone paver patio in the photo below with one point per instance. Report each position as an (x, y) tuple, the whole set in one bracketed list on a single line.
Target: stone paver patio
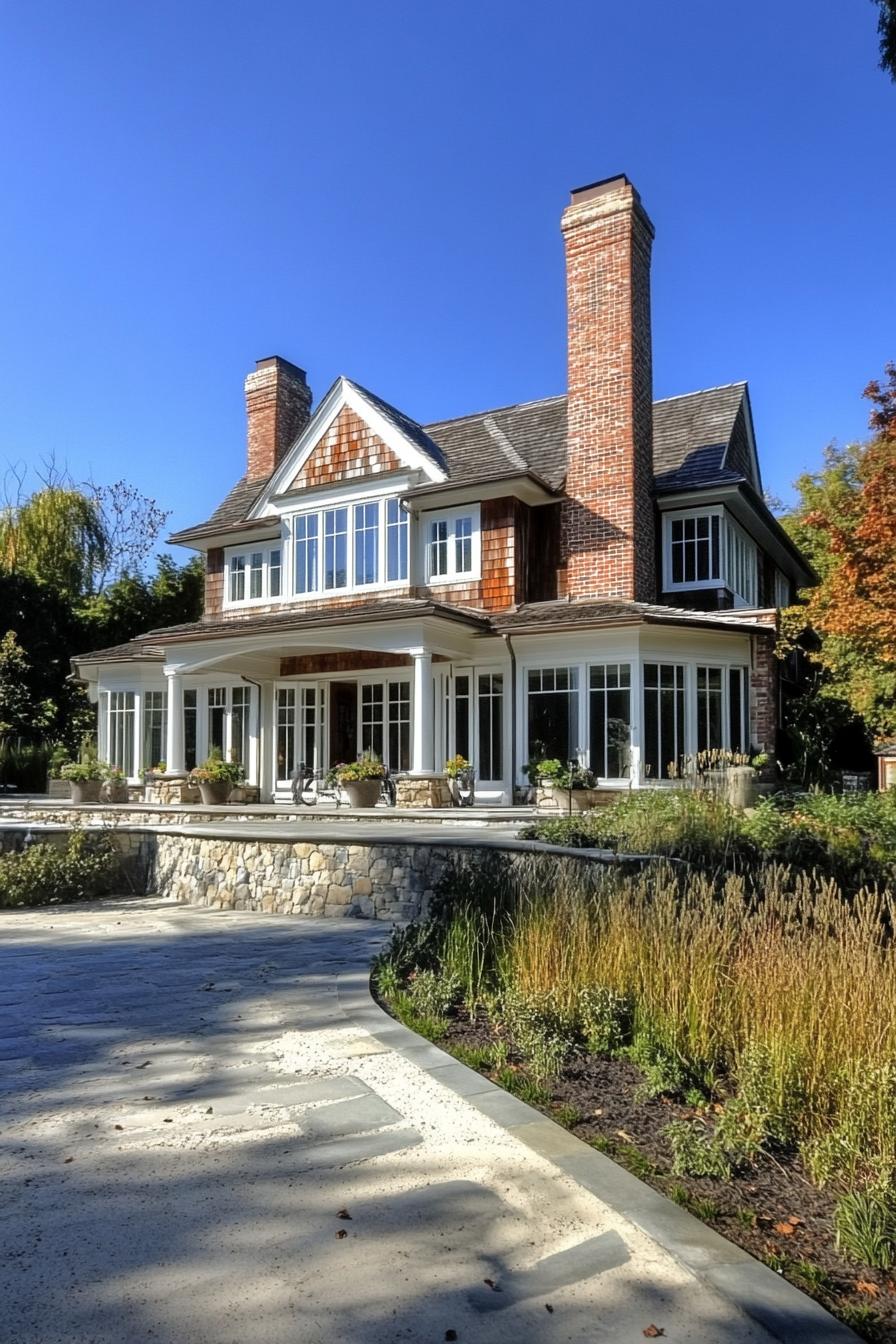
[(188, 1101)]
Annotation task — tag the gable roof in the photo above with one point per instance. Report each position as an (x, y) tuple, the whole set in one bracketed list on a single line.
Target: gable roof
[(699, 439)]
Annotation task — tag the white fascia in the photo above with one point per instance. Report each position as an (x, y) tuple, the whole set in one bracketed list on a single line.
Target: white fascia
[(342, 394)]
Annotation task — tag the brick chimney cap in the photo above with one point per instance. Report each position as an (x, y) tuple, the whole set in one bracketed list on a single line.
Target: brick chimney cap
[(592, 189), (278, 359)]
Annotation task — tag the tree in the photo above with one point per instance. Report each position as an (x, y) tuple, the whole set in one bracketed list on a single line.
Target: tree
[(56, 536), (132, 524), (22, 714), (886, 28), (846, 523)]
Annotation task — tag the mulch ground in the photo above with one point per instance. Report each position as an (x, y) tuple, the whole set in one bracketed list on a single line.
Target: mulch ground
[(771, 1209)]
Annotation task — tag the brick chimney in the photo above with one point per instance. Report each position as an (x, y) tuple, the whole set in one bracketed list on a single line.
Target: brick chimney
[(278, 407), (608, 517)]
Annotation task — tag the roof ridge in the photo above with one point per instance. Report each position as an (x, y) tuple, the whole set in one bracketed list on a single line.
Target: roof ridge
[(701, 391)]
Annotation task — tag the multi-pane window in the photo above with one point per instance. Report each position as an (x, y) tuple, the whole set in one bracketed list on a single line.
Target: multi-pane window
[(452, 545), (239, 725), (706, 549), (738, 709), (783, 592), (372, 720), (438, 549), (553, 713), (399, 725), (695, 549), (308, 698), (710, 709), (609, 690), (217, 718), (253, 576), (367, 543), (237, 578), (396, 542), (463, 545), (336, 548), (286, 731), (741, 565), (155, 716), (490, 698), (190, 729), (305, 551), (122, 715), (664, 718)]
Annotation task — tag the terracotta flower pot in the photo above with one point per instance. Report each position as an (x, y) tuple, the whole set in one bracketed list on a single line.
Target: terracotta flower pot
[(363, 792)]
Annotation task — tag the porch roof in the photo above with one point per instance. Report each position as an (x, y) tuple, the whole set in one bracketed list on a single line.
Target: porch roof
[(562, 614)]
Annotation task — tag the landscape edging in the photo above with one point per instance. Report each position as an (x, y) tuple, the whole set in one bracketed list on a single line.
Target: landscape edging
[(767, 1298)]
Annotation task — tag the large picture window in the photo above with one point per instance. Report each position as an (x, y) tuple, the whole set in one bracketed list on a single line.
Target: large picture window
[(350, 547), (664, 719), (553, 713), (609, 690)]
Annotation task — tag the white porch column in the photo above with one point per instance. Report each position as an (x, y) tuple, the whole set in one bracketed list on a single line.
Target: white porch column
[(174, 736), (423, 746)]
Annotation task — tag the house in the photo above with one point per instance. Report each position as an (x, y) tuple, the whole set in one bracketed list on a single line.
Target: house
[(592, 576)]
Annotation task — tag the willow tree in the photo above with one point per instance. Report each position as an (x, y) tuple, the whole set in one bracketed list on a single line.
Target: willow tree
[(56, 536)]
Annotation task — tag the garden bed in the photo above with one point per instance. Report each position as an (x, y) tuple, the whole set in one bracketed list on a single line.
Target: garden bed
[(597, 1100)]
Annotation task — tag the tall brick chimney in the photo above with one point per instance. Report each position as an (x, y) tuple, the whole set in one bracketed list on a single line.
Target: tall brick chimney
[(608, 518), (278, 407)]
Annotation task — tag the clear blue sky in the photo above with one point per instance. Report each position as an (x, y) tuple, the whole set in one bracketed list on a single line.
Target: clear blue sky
[(375, 189)]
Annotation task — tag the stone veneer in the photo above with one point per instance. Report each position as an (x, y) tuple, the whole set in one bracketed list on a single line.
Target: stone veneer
[(422, 791)]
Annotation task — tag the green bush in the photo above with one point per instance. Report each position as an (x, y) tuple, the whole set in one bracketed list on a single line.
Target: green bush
[(865, 1227), (25, 768), (41, 874)]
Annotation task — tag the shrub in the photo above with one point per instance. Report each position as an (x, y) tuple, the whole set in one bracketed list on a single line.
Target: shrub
[(604, 1018), (433, 993), (541, 1031), (41, 874), (24, 767)]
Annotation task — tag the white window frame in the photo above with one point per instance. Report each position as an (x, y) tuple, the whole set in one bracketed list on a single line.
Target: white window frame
[(737, 550), (246, 554), (451, 517), (352, 505)]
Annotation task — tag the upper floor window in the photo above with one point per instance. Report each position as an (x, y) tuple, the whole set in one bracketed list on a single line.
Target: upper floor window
[(707, 549), (452, 545), (783, 591), (350, 546), (254, 576)]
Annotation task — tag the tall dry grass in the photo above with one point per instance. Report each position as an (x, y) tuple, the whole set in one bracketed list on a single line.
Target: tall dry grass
[(776, 967)]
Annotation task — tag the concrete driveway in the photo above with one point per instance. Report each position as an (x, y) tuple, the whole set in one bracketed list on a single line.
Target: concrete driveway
[(192, 1102)]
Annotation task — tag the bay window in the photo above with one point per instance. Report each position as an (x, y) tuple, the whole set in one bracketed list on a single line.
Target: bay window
[(706, 548), (709, 709), (350, 546)]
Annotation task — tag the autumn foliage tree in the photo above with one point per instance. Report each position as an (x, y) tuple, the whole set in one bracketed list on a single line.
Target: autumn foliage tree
[(846, 522)]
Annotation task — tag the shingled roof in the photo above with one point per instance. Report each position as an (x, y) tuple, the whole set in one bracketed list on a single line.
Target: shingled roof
[(699, 439)]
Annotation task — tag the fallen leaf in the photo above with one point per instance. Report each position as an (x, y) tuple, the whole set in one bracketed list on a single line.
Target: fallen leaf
[(344, 1213), (794, 1221), (119, 1126), (341, 1234), (653, 1332), (784, 1229), (869, 1289), (622, 1135), (598, 1111), (491, 1284)]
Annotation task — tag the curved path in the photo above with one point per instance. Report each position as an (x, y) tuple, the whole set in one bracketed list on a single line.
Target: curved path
[(189, 1099)]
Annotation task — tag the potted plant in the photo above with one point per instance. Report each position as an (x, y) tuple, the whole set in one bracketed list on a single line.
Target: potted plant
[(461, 781), (362, 780), (216, 777), (85, 778), (57, 787), (568, 784), (115, 789)]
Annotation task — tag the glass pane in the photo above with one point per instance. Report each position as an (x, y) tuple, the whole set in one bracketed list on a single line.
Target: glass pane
[(306, 555), (663, 718), (462, 716), (155, 715), (610, 720), (189, 730), (736, 705), (367, 532), (217, 709), (396, 542), (239, 726), (274, 572), (372, 720), (256, 572), (286, 731), (490, 696), (463, 545), (237, 578), (399, 725), (336, 548)]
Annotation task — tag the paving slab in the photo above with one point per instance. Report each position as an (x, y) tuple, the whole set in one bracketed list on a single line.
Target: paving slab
[(292, 1100)]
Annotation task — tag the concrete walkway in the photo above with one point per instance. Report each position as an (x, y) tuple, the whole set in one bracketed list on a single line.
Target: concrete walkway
[(190, 1098)]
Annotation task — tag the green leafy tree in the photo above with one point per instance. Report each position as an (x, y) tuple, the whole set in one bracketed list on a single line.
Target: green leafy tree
[(22, 713), (886, 28), (57, 537)]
